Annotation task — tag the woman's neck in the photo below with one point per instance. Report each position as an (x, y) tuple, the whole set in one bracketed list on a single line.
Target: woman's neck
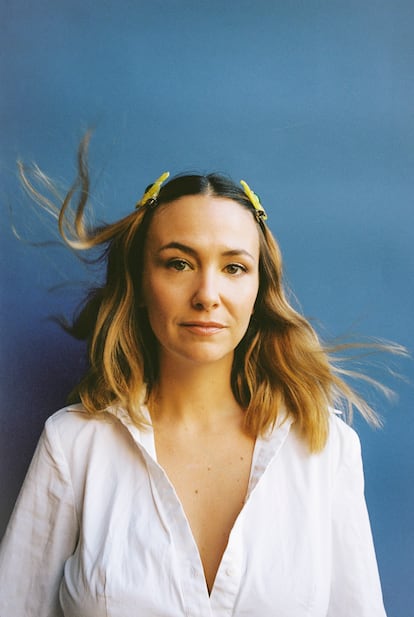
[(198, 396)]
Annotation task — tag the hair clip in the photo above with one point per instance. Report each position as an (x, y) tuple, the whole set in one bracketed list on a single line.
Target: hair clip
[(152, 192), (255, 201)]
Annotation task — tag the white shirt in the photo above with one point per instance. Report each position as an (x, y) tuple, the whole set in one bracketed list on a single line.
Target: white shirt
[(98, 531)]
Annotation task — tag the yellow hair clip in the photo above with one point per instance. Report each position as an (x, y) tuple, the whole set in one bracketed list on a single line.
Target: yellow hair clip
[(260, 211), (153, 191)]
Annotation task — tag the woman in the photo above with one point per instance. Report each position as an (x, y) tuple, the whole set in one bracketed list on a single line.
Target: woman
[(204, 472)]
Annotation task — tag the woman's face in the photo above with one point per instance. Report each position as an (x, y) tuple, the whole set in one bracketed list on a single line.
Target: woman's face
[(201, 277)]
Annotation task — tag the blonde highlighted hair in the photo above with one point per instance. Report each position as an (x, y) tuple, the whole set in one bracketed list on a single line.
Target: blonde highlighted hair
[(279, 364)]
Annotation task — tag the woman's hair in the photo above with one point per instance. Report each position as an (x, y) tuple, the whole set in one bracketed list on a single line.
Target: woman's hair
[(280, 362)]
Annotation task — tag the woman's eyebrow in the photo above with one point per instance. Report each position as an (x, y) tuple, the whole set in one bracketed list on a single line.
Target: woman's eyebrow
[(181, 247), (190, 251)]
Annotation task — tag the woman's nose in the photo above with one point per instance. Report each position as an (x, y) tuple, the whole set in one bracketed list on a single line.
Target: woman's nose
[(206, 295)]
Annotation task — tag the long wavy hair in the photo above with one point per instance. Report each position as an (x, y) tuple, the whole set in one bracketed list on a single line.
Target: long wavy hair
[(280, 364)]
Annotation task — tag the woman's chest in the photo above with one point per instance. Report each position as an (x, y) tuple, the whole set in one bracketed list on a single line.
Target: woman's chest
[(137, 552), (211, 482)]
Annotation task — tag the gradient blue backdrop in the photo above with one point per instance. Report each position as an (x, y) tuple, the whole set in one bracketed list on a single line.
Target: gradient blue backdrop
[(312, 102)]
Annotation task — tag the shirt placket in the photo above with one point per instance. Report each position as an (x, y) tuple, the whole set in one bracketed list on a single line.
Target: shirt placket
[(195, 598), (231, 571), (228, 579)]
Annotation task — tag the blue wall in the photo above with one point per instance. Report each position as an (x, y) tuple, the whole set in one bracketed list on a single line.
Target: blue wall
[(312, 102)]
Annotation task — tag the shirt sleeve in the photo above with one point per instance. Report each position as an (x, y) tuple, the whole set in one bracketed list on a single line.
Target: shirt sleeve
[(355, 588), (41, 535)]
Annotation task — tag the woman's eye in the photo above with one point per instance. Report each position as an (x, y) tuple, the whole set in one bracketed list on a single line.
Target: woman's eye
[(235, 269), (178, 264)]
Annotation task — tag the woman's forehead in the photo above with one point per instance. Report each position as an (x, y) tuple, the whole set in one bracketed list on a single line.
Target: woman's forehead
[(204, 219)]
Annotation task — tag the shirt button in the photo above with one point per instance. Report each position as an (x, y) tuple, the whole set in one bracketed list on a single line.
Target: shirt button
[(231, 571), (194, 572)]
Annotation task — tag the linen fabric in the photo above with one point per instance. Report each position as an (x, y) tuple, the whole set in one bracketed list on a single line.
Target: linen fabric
[(98, 530)]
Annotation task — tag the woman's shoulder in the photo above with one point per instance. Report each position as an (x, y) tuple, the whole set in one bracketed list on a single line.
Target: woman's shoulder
[(75, 417), (339, 428), (80, 443), (73, 425), (343, 440)]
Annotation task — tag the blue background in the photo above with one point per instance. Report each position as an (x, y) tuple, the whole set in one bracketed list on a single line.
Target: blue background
[(311, 102)]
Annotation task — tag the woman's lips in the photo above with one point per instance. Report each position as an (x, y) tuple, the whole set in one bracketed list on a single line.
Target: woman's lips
[(203, 328)]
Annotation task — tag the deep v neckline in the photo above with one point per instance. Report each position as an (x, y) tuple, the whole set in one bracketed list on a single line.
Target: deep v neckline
[(210, 482), (229, 571)]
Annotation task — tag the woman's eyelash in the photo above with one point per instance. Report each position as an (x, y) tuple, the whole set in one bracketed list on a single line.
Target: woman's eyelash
[(177, 264), (235, 268), (181, 264)]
